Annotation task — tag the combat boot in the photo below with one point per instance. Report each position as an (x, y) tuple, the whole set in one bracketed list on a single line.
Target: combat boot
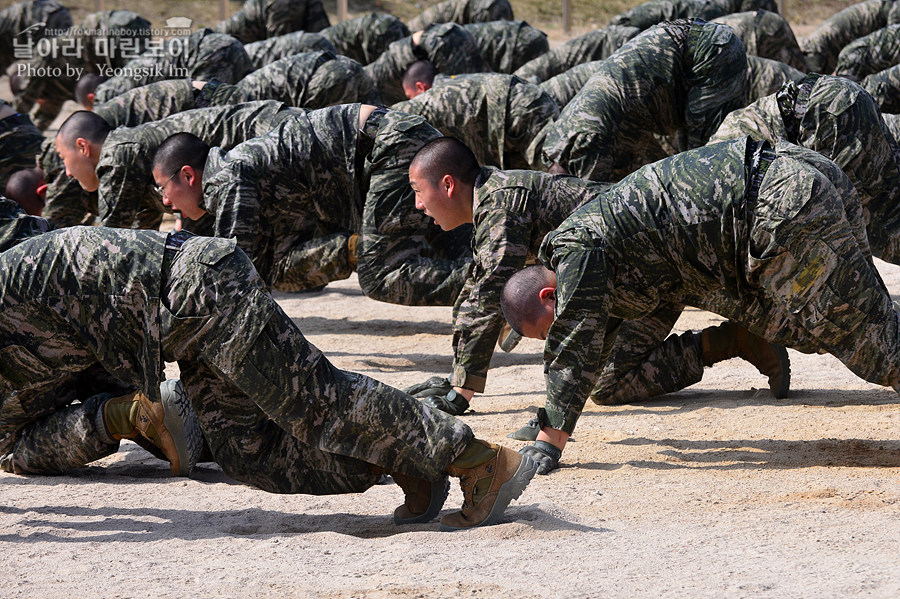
[(423, 499), (490, 476), (731, 340)]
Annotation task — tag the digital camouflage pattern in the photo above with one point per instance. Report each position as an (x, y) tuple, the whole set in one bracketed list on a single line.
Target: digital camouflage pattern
[(17, 226), (870, 54), (311, 80), (507, 45), (838, 119), (20, 143), (825, 43), (766, 34), (202, 55), (16, 18), (768, 76), (885, 88), (267, 51), (792, 265), (462, 12), (588, 47), (449, 47), (679, 76), (512, 210), (498, 116), (646, 15), (892, 122), (274, 410), (262, 19), (565, 86), (365, 38)]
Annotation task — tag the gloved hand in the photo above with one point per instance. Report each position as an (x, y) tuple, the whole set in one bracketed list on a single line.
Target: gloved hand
[(545, 454), (436, 385), (438, 393)]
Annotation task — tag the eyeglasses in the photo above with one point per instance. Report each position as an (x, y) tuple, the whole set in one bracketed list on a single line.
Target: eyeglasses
[(161, 187)]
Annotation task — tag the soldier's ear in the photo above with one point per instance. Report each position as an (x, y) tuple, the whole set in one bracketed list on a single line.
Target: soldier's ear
[(547, 294)]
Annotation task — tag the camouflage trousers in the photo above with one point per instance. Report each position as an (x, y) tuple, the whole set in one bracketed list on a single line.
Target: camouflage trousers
[(275, 412)]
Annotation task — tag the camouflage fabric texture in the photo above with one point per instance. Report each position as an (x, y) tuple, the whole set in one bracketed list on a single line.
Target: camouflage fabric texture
[(311, 80), (565, 86), (462, 12), (513, 211), (366, 37), (507, 45), (838, 119), (16, 225), (768, 76), (825, 43), (588, 47), (276, 413), (449, 47), (269, 50), (892, 122), (884, 86), (870, 54), (202, 55), (768, 35), (262, 19), (791, 264), (20, 144), (679, 76), (646, 15), (21, 16), (497, 116)]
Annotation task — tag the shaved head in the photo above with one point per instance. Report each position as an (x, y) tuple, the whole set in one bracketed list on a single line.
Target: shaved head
[(520, 300), (446, 156), (83, 124)]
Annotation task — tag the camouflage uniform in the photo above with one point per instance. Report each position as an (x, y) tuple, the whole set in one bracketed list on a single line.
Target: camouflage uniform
[(17, 226), (787, 259), (870, 54), (462, 12), (885, 88), (202, 55), (892, 122), (768, 35), (497, 116), (698, 75), (275, 412), (366, 38), (512, 211), (767, 76), (311, 80), (824, 44), (20, 143), (293, 197), (565, 86), (648, 14), (838, 119), (591, 46), (107, 39), (507, 45), (21, 16), (449, 47), (267, 51), (262, 19)]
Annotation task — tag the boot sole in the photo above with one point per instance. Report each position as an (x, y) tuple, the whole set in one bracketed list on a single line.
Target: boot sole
[(782, 391), (508, 491), (439, 492), (181, 422)]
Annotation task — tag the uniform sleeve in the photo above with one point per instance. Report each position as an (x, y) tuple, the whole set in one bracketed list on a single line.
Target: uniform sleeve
[(123, 189), (237, 194)]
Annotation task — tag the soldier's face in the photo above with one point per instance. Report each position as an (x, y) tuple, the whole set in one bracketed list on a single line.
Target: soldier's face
[(538, 327), (79, 163), (435, 200), (178, 193)]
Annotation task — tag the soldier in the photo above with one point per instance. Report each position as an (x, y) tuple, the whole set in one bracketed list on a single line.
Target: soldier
[(766, 34), (262, 19), (28, 190), (699, 75), (365, 38), (838, 119), (202, 55), (565, 86), (311, 80), (823, 45), (16, 225), (449, 47), (462, 12), (768, 76), (885, 88), (870, 54), (320, 195), (771, 239), (588, 47), (646, 15), (275, 412), (269, 50), (20, 142), (24, 21), (498, 116), (507, 45), (512, 212)]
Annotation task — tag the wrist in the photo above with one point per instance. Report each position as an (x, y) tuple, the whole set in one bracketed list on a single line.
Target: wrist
[(467, 393), (554, 437)]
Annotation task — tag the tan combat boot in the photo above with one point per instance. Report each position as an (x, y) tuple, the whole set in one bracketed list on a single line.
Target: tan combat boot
[(731, 340), (423, 499)]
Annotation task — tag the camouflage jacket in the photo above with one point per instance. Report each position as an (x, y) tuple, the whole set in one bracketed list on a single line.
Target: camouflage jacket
[(565, 86), (768, 35), (507, 45), (823, 45), (588, 47), (20, 144), (646, 15), (262, 19), (767, 76), (269, 50), (462, 12), (870, 54), (17, 226), (34, 16), (366, 38), (885, 88)]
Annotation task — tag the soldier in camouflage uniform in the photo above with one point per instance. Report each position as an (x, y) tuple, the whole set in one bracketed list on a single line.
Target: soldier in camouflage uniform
[(17, 226), (366, 38), (773, 240), (648, 14), (823, 45), (318, 196), (311, 80), (838, 119), (870, 54), (768, 76), (449, 47), (20, 142), (507, 45), (498, 116), (885, 88), (591, 46), (107, 39), (564, 87), (768, 35), (202, 55), (36, 17), (698, 75), (267, 51), (275, 412), (262, 19), (462, 12)]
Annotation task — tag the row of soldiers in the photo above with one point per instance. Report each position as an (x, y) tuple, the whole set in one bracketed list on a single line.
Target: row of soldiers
[(774, 230)]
